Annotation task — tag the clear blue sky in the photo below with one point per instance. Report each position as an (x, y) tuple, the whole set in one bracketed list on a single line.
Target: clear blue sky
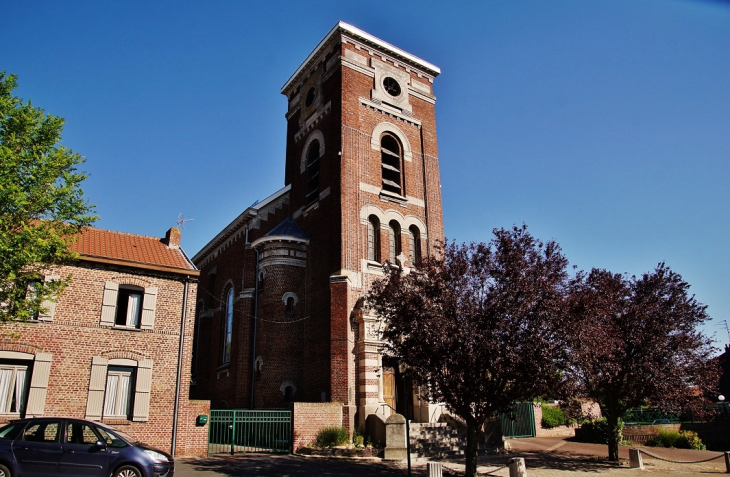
[(602, 125)]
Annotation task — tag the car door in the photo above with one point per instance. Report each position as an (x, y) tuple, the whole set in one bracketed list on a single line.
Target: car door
[(38, 448), (81, 454)]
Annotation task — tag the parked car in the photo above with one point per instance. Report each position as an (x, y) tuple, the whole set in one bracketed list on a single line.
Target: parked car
[(63, 447)]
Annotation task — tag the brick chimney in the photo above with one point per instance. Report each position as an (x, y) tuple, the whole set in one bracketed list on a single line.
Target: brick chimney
[(172, 238)]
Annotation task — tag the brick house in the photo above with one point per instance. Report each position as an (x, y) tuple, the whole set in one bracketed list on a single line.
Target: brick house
[(280, 316), (115, 346)]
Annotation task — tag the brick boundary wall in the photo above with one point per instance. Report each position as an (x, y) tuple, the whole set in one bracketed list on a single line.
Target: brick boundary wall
[(308, 418), (192, 439)]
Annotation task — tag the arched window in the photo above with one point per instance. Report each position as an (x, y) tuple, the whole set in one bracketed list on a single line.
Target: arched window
[(414, 244), (290, 305), (395, 243), (228, 327), (312, 187), (391, 155), (373, 238)]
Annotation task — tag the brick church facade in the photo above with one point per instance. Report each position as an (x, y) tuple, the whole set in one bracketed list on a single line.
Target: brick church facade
[(280, 315)]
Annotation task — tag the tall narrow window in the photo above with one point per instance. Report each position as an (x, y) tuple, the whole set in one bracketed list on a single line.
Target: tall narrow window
[(129, 306), (228, 327), (13, 385), (391, 158), (395, 243), (312, 190), (118, 395), (373, 238), (414, 244)]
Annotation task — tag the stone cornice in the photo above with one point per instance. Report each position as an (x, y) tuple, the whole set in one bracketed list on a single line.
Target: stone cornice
[(390, 111)]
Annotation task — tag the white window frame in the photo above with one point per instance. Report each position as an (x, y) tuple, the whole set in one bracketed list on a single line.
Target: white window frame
[(13, 389), (118, 394)]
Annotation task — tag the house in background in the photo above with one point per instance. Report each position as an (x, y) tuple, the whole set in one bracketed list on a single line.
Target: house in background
[(280, 315), (115, 346)]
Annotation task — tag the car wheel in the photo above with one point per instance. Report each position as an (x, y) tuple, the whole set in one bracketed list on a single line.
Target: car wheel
[(125, 471), (4, 471)]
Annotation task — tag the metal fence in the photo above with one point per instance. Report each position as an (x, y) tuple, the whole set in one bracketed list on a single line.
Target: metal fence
[(519, 421), (650, 416), (239, 431)]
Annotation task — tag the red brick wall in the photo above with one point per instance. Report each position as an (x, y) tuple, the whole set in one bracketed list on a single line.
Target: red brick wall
[(310, 418), (75, 336)]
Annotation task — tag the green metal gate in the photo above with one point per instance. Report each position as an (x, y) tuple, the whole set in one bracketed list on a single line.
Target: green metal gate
[(519, 421), (239, 431)]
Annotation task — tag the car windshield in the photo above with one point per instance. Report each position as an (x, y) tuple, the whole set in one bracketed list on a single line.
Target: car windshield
[(115, 438)]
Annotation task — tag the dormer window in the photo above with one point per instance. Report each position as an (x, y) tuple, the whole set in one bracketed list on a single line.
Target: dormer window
[(391, 155)]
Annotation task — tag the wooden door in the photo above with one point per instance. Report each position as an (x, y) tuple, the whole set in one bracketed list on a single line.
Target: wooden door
[(389, 386)]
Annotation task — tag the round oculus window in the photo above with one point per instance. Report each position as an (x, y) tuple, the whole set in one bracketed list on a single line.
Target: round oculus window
[(309, 99), (392, 86)]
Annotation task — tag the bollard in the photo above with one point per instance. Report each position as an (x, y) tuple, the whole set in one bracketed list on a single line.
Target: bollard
[(727, 462), (517, 467), (635, 461), (434, 469)]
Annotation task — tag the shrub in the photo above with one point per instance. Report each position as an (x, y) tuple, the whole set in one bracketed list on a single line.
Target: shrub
[(332, 436), (552, 417), (596, 431), (676, 439)]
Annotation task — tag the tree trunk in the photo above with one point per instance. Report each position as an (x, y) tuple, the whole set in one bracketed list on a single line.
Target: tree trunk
[(472, 447), (613, 437)]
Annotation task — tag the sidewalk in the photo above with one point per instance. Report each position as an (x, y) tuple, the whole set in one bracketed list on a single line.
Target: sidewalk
[(557, 457)]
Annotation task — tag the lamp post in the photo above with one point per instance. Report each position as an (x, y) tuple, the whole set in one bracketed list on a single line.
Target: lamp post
[(403, 368)]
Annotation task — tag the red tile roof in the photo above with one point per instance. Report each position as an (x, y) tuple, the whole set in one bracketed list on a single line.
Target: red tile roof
[(107, 244)]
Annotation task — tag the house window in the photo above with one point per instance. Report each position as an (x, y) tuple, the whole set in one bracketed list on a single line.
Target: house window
[(373, 238), (391, 156), (119, 388), (395, 241), (14, 379), (228, 327), (312, 190), (414, 244), (129, 307), (119, 392)]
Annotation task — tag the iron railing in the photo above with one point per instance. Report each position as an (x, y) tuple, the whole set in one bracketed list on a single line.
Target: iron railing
[(239, 431)]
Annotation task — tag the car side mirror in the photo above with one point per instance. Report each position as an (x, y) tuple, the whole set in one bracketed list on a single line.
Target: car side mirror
[(101, 445)]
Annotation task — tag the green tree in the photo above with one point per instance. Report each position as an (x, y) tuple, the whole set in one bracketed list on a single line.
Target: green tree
[(42, 206)]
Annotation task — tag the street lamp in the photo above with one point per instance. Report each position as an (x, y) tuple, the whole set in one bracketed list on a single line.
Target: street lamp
[(403, 368)]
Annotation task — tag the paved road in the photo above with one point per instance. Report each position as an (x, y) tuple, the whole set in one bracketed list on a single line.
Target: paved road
[(545, 457)]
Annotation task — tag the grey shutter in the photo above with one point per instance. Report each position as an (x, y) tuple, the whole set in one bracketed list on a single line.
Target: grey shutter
[(142, 391), (148, 308), (48, 306), (97, 387), (109, 303), (38, 385)]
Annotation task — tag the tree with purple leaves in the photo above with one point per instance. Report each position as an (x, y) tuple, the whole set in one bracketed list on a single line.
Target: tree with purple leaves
[(635, 341), (480, 326)]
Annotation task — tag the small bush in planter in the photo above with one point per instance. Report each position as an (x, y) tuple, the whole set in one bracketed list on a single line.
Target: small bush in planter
[(332, 436)]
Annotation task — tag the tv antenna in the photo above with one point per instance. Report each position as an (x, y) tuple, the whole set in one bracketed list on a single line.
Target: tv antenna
[(181, 219), (727, 328)]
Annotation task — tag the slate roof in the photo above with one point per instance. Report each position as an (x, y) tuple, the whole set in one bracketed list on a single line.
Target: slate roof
[(289, 228), (107, 244)]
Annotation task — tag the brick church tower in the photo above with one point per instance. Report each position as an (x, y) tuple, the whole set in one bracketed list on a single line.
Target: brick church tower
[(280, 315)]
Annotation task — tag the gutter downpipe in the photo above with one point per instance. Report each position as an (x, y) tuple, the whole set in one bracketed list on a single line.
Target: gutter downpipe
[(255, 323), (176, 409)]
